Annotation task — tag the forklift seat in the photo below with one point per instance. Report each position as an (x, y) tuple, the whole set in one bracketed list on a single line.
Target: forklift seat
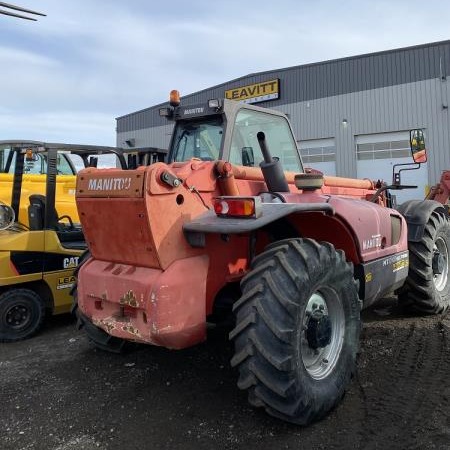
[(36, 217)]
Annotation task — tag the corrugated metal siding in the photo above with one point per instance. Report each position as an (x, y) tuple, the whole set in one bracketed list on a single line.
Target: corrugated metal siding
[(326, 79), (389, 109), (147, 137)]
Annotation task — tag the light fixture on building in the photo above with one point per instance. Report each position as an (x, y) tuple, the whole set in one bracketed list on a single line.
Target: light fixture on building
[(131, 142), (344, 123)]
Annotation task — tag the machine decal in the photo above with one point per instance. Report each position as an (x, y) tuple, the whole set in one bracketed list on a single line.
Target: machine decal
[(109, 184), (193, 111), (35, 262), (397, 262), (373, 242), (383, 275), (65, 282), (70, 263), (98, 184)]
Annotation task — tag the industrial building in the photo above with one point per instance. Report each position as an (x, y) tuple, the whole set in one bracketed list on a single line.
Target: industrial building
[(351, 116)]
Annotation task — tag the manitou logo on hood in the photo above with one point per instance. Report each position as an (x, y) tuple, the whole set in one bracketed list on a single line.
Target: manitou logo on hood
[(109, 184)]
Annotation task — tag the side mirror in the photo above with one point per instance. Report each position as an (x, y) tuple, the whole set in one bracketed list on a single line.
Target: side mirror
[(248, 158), (7, 216), (417, 144)]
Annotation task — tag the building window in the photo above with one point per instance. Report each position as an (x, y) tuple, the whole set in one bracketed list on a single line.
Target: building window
[(318, 154), (383, 150)]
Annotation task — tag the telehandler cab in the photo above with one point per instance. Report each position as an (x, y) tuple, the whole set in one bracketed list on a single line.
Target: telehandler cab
[(234, 222), (40, 238)]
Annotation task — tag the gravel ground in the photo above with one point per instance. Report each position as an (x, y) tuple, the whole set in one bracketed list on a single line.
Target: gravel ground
[(59, 393)]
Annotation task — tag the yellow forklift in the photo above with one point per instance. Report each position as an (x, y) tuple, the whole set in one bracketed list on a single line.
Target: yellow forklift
[(41, 241)]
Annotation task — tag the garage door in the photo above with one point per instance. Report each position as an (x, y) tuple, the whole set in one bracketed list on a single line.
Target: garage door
[(376, 155), (319, 154)]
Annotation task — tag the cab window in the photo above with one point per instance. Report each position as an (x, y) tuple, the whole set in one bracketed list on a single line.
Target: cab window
[(245, 148), (198, 139)]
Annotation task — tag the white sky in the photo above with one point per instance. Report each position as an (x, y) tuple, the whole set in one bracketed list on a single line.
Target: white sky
[(66, 77)]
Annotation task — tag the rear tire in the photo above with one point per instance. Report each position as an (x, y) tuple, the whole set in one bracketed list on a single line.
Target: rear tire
[(297, 330), (22, 314), (427, 288)]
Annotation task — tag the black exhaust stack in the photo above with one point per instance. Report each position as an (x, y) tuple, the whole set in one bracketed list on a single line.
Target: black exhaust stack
[(271, 168)]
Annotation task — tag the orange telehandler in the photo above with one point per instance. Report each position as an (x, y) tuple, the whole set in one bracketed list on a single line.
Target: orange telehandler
[(232, 225)]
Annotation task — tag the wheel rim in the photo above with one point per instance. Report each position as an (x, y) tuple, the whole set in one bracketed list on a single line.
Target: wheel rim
[(18, 316), (440, 264), (322, 333)]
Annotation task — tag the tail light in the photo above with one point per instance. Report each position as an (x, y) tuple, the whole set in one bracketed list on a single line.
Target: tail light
[(245, 207)]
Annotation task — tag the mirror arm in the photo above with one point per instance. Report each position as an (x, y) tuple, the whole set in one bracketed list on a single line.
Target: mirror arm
[(396, 175)]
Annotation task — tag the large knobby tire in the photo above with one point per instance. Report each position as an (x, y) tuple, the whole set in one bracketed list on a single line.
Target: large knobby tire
[(22, 314), (297, 329), (427, 288), (96, 335)]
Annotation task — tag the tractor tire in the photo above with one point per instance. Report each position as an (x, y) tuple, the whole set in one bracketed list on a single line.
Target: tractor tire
[(22, 314), (427, 288), (101, 340), (297, 330)]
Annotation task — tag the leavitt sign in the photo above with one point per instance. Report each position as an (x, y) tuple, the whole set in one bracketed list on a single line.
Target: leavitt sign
[(254, 93)]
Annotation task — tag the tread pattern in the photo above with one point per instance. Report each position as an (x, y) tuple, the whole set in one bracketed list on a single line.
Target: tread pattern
[(267, 333), (419, 292)]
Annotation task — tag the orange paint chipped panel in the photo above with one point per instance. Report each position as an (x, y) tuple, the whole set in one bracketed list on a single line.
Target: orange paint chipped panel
[(129, 299), (172, 313)]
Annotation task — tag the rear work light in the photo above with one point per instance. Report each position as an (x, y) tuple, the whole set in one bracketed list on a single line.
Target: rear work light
[(165, 112), (244, 207), (215, 103)]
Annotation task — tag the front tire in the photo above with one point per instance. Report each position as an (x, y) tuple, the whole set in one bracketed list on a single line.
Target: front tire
[(22, 314), (297, 330), (427, 288)]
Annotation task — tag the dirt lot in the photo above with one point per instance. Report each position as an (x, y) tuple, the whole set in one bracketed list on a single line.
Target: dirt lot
[(57, 392)]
